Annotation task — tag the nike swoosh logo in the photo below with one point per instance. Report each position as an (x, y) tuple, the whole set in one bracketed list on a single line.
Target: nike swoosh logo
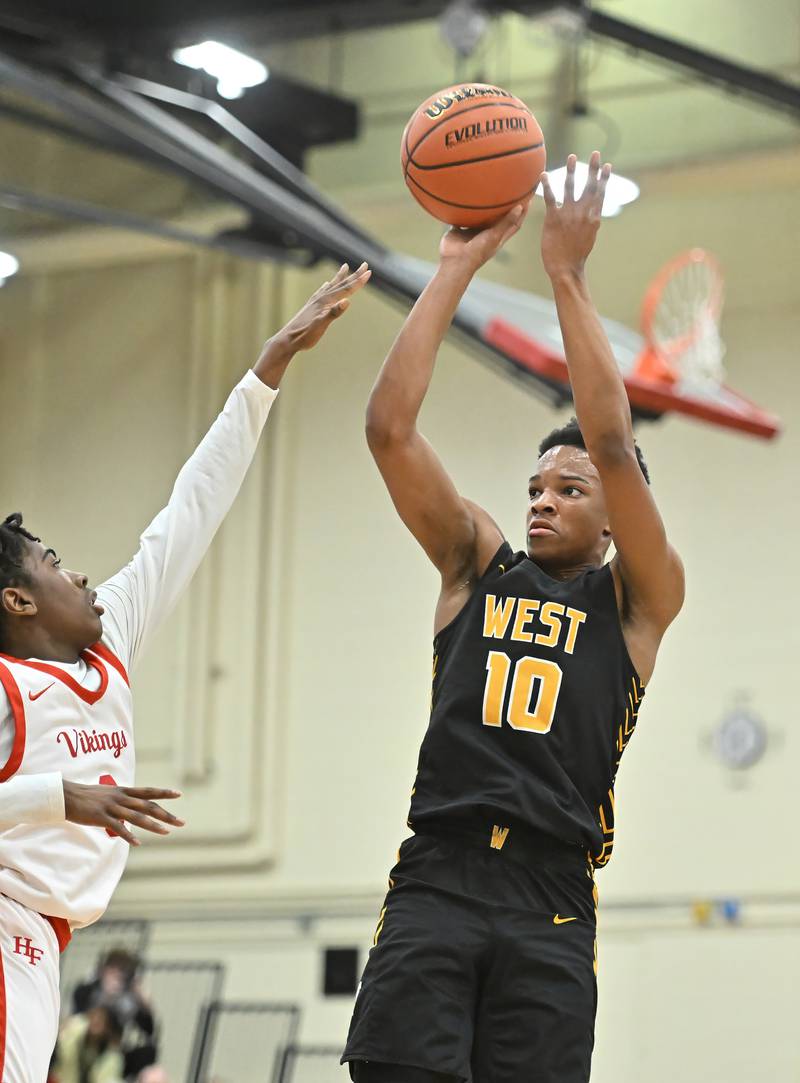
[(562, 921), (32, 696)]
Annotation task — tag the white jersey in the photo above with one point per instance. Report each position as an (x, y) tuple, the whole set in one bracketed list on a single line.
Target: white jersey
[(76, 720)]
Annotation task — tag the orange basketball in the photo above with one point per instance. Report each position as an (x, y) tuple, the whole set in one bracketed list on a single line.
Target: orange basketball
[(470, 153)]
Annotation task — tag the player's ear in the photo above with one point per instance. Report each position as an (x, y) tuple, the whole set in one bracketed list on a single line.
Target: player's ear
[(18, 602), (605, 534)]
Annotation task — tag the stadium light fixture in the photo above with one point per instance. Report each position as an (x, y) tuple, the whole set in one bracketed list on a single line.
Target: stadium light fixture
[(234, 71), (9, 265), (619, 192)]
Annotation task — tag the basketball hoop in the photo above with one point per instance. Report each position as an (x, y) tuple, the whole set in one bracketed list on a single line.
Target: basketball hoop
[(680, 321), (676, 366)]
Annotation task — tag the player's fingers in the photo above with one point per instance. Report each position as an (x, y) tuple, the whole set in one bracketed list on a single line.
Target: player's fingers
[(569, 179), (117, 827), (511, 223), (504, 227), (150, 808), (362, 279), (364, 271), (602, 184), (331, 283), (591, 180), (513, 218), (138, 819), (547, 191), (343, 272), (149, 793), (350, 281), (327, 315)]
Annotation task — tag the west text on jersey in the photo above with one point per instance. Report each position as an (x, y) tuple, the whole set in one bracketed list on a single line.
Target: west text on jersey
[(529, 620)]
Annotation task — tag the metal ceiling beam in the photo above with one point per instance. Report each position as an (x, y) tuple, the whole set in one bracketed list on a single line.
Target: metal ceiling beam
[(84, 133), (285, 21), (736, 78), (272, 163), (183, 149), (15, 198), (238, 22), (114, 113)]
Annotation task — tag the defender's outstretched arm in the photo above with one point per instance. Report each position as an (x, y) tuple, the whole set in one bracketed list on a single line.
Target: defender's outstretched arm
[(647, 568), (139, 597), (142, 593)]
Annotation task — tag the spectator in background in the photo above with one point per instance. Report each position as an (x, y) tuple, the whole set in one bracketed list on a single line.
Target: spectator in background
[(116, 982), (89, 1047), (154, 1074)]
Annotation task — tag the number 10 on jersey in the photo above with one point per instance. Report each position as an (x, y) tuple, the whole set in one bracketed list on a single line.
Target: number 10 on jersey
[(533, 679)]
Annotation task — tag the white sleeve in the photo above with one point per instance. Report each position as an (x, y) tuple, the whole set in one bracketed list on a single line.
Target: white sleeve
[(138, 598), (32, 799)]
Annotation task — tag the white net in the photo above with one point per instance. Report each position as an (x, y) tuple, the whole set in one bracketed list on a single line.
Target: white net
[(700, 362), (685, 323)]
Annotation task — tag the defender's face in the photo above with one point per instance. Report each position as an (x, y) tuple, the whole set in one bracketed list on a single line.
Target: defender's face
[(59, 600), (566, 523)]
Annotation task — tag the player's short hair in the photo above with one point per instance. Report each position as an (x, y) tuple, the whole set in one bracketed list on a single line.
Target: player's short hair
[(571, 435), (13, 550)]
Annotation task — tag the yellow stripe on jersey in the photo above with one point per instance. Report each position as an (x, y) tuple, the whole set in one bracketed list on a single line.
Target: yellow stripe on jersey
[(605, 811)]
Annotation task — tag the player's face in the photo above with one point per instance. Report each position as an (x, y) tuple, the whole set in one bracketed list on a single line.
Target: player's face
[(566, 523), (58, 600)]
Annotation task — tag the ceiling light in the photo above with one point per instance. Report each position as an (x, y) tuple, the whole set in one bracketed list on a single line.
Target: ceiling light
[(234, 71), (620, 190), (9, 265), (463, 25)]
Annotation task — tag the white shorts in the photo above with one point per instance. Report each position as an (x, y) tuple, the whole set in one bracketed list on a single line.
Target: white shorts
[(29, 1000)]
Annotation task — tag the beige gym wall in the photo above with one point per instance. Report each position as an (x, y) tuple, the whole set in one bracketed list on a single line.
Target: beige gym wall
[(287, 696)]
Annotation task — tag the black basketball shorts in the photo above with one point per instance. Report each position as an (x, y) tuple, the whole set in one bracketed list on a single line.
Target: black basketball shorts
[(483, 966)]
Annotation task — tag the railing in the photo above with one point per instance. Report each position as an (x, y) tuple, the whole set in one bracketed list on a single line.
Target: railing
[(312, 1064), (244, 1041), (181, 994)]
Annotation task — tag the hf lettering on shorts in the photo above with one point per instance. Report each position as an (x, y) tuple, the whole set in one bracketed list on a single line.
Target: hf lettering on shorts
[(23, 945)]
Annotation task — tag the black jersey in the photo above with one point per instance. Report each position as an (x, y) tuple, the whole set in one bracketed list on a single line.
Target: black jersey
[(534, 700)]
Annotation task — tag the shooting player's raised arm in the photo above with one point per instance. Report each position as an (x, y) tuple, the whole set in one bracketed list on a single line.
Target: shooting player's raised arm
[(647, 570), (458, 537)]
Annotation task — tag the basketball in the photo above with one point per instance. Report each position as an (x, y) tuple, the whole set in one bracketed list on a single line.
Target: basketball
[(472, 152)]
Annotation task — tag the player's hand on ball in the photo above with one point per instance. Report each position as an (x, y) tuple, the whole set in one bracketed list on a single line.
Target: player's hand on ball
[(112, 806), (474, 247), (312, 321), (570, 229)]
